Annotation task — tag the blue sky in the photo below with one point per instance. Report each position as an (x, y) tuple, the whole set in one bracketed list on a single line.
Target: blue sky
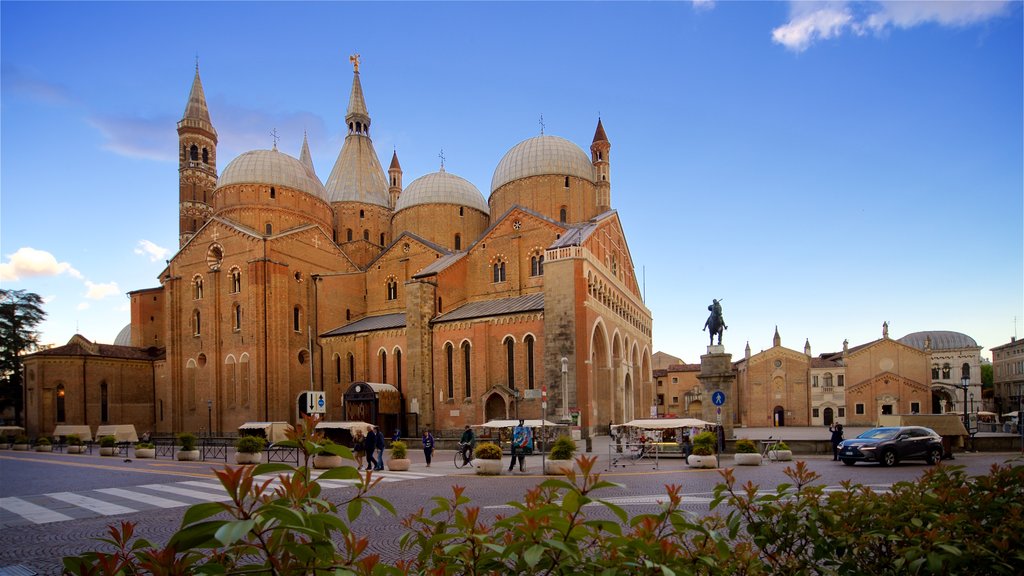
[(823, 167)]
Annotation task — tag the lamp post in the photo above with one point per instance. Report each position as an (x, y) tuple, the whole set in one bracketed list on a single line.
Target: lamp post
[(209, 418), (565, 389)]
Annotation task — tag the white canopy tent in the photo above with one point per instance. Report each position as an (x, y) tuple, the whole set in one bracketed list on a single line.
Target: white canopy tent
[(667, 423), (514, 423), (350, 425)]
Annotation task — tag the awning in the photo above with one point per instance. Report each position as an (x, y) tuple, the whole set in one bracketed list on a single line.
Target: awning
[(389, 399), (121, 432), (514, 423), (1011, 414), (11, 431), (350, 425), (65, 430), (667, 423), (272, 431)]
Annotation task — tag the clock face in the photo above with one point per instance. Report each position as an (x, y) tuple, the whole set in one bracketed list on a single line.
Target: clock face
[(518, 225), (405, 247), (778, 363)]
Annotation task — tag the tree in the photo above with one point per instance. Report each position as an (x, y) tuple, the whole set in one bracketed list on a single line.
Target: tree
[(20, 313)]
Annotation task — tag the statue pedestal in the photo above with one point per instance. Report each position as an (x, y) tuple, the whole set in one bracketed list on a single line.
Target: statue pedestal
[(716, 375)]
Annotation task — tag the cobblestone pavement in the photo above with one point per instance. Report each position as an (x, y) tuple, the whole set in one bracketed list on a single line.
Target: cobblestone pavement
[(53, 505)]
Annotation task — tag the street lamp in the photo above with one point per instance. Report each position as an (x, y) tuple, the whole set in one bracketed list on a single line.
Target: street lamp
[(565, 389), (209, 418)]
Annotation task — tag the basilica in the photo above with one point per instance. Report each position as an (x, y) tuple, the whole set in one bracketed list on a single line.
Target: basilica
[(419, 306)]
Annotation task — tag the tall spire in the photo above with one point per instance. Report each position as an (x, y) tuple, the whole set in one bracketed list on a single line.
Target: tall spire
[(305, 157), (357, 117), (357, 175), (196, 108)]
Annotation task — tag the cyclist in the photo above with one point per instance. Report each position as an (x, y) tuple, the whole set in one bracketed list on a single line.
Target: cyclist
[(468, 444)]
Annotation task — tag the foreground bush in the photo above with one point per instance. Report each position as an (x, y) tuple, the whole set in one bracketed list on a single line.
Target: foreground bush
[(944, 523)]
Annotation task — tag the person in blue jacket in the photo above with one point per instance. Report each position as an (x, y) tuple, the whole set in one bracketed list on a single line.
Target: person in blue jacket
[(379, 438)]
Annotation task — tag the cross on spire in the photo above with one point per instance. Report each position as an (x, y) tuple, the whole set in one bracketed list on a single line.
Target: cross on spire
[(197, 62), (273, 134), (541, 122), (441, 156), (354, 59)]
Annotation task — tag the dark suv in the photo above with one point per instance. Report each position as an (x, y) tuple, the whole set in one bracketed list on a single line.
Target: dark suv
[(891, 444)]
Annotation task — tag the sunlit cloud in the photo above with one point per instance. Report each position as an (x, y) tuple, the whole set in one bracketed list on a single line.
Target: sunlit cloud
[(154, 252), (31, 263), (100, 291), (810, 22), (16, 80), (135, 137), (703, 5), (82, 306)]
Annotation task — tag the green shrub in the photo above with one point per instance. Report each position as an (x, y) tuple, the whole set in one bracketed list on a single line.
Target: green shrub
[(145, 446), (399, 450), (187, 441), (21, 439), (487, 451), (564, 448), (43, 441), (74, 440), (108, 442), (704, 444), (250, 444), (745, 446), (780, 445)]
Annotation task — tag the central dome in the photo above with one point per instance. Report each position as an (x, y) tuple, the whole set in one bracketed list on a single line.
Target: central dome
[(272, 168), (441, 188), (539, 156)]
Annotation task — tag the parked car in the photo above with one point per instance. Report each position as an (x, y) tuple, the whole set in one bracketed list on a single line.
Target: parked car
[(892, 444)]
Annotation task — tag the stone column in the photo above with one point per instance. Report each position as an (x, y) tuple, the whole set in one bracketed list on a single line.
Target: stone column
[(716, 374)]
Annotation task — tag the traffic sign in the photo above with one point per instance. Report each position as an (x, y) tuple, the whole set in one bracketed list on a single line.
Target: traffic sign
[(315, 402), (718, 398)]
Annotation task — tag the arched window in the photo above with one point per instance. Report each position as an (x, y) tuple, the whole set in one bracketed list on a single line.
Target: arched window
[(398, 369), (529, 360), (510, 361), (935, 372), (104, 403), (236, 280), (193, 153), (337, 369), (381, 238), (562, 215), (458, 241), (392, 286), (238, 317), (361, 213), (243, 378), (440, 308), (269, 228), (230, 380), (61, 415), (537, 265), (566, 181), (348, 234), (206, 156), (827, 380), (197, 323), (450, 361), (946, 369), (384, 366), (197, 288), (297, 319), (351, 368), (348, 314), (467, 369), (499, 271), (965, 371), (190, 380), (366, 235)]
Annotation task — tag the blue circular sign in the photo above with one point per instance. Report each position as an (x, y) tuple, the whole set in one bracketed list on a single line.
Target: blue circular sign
[(320, 402), (718, 398)]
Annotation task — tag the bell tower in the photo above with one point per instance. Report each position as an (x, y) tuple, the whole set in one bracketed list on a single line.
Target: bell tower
[(600, 148), (197, 164)]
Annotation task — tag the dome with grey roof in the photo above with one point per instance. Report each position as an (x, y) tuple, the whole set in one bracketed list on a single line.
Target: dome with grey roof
[(940, 340), (442, 188), (124, 337), (540, 156), (273, 168)]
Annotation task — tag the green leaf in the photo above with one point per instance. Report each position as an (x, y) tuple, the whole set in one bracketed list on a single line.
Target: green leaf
[(951, 549), (533, 554), (232, 532), (340, 473), (271, 468), (196, 536), (202, 511)]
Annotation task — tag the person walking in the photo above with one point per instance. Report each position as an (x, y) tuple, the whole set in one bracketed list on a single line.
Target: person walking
[(837, 436), (379, 441), (357, 448), (428, 446), (370, 446), (522, 444), (397, 435), (468, 444)]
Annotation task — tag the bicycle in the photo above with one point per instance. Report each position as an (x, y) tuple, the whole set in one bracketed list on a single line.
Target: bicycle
[(464, 455), (768, 448)]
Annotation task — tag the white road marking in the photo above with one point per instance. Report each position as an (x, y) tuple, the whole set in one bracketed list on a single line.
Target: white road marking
[(32, 512), (144, 498), (97, 506), (187, 492)]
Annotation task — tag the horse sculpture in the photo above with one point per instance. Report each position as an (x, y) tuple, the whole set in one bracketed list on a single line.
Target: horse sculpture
[(715, 322)]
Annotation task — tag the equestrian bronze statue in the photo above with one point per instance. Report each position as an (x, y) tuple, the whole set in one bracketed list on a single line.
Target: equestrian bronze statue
[(715, 322)]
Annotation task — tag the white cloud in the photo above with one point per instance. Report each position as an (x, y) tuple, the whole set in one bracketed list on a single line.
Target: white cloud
[(29, 263), (703, 5), (100, 291), (17, 80), (813, 21), (155, 253), (83, 306), (147, 138)]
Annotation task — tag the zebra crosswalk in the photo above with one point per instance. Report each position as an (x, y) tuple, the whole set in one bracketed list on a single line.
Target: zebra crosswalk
[(64, 506)]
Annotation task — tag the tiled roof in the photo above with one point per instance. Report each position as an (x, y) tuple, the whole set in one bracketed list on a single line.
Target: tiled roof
[(76, 347), (484, 308), (370, 324), (438, 265)]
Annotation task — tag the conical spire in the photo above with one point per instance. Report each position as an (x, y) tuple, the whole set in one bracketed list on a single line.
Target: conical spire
[(394, 162), (196, 107), (305, 157), (599, 135), (357, 175), (357, 117)]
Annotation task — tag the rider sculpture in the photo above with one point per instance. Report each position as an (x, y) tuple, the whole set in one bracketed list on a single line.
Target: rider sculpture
[(715, 322)]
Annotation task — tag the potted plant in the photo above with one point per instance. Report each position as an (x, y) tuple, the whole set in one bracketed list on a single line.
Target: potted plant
[(21, 442), (780, 452), (145, 450), (324, 459), (108, 446), (249, 449), (187, 450), (75, 444), (703, 451), (399, 460), (487, 458), (746, 453), (43, 444), (559, 461)]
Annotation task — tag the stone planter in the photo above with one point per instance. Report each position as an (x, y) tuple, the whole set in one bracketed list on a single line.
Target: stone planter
[(399, 464), (248, 457), (325, 461), (780, 455), (5, 446), (112, 451), (22, 447), (747, 459), (488, 467), (187, 455), (44, 448), (703, 461), (76, 449), (145, 452), (558, 467)]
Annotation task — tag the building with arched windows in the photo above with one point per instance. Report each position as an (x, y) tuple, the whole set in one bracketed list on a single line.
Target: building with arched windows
[(459, 308)]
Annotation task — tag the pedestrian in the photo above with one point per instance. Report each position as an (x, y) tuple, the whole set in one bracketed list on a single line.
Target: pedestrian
[(837, 437), (522, 444), (467, 443), (370, 446), (428, 446), (379, 439), (357, 448), (397, 435)]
